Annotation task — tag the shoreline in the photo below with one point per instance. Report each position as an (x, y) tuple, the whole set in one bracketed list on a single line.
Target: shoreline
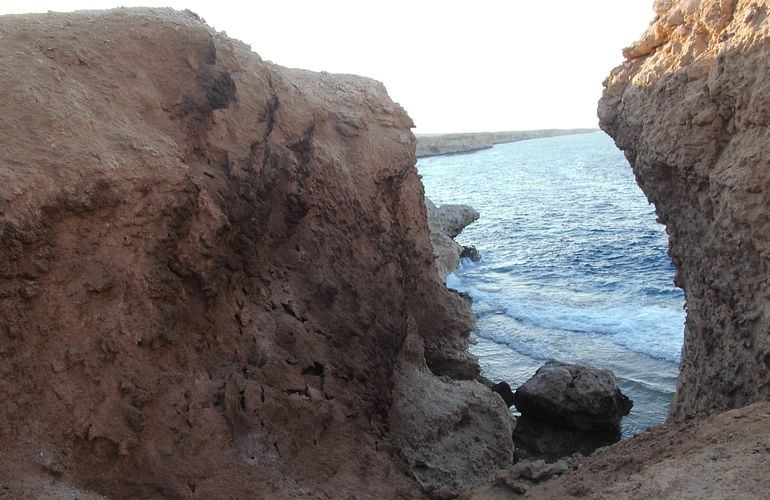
[(450, 144)]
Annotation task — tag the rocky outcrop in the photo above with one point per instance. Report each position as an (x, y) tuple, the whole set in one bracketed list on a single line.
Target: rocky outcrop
[(216, 278), (690, 107), (447, 222), (452, 219), (442, 144), (575, 396)]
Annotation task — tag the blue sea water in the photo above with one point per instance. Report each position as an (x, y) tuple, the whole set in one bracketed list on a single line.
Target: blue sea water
[(574, 265)]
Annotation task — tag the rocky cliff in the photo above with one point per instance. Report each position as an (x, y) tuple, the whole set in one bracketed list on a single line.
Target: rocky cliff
[(690, 107), (216, 279)]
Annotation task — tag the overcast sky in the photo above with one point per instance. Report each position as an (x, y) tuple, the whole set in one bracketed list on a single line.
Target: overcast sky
[(456, 66)]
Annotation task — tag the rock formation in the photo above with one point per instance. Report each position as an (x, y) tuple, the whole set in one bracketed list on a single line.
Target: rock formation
[(216, 279), (447, 222), (690, 107), (443, 144), (567, 409), (575, 396)]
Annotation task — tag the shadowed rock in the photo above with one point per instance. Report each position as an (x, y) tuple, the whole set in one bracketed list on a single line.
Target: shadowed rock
[(573, 396)]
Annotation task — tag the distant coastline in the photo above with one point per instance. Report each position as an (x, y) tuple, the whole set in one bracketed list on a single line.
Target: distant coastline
[(444, 144)]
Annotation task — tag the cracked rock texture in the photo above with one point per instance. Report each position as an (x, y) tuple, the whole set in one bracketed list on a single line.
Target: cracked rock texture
[(209, 267), (690, 107)]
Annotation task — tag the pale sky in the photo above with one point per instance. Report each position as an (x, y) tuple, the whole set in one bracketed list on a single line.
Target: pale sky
[(456, 66)]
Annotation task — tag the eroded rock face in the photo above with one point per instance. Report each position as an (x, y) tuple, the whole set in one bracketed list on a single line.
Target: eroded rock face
[(209, 267), (690, 108), (453, 433)]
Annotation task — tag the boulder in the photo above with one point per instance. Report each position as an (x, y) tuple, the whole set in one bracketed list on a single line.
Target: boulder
[(575, 396)]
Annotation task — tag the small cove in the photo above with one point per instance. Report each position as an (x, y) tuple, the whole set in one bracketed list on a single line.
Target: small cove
[(574, 265)]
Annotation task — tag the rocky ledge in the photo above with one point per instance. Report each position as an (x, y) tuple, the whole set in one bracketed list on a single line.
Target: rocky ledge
[(446, 223), (216, 277)]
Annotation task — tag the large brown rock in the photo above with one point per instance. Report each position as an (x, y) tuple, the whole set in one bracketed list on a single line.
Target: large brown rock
[(209, 266), (690, 107), (574, 396)]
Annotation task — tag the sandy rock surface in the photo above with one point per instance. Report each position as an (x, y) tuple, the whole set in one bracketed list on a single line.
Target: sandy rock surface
[(209, 267), (690, 107), (723, 457)]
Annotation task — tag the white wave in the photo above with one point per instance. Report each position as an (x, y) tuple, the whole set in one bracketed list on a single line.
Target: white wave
[(652, 329)]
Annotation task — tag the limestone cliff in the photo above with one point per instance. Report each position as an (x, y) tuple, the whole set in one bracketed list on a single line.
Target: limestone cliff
[(690, 107), (216, 279)]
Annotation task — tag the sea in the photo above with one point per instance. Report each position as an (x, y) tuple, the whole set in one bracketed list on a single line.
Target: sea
[(574, 265)]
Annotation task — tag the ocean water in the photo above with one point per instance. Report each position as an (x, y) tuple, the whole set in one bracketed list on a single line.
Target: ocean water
[(574, 265)]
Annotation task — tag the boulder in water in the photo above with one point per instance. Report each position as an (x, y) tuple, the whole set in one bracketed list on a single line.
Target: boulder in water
[(575, 396)]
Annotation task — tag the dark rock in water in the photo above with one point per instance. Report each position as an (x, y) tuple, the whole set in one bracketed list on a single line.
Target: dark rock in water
[(470, 252), (504, 390), (574, 396), (535, 439)]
